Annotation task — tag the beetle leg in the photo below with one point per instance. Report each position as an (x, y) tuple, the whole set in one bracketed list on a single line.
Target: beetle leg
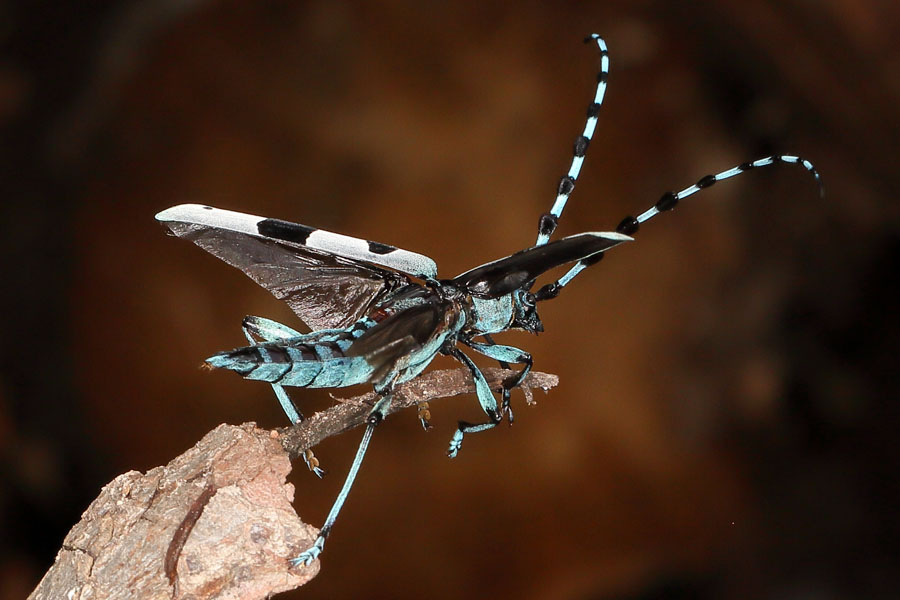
[(505, 355), (376, 416), (259, 328), (485, 398)]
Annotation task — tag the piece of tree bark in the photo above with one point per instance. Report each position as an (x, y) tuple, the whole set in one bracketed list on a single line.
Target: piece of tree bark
[(217, 521)]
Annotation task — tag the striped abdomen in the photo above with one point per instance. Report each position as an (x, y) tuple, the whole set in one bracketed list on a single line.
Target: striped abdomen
[(315, 360)]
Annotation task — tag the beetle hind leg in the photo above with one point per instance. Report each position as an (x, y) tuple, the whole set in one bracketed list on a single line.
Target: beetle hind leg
[(376, 416), (259, 328)]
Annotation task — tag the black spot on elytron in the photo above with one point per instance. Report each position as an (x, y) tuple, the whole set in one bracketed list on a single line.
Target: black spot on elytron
[(706, 181), (602, 77), (745, 166), (628, 226), (667, 202), (284, 230), (376, 248), (777, 159), (547, 224), (581, 145), (593, 110), (566, 185), (592, 259), (208, 208)]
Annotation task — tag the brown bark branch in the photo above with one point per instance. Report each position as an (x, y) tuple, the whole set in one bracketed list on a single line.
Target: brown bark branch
[(425, 388), (217, 521)]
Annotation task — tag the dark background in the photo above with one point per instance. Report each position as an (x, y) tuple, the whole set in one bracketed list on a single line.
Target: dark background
[(726, 421)]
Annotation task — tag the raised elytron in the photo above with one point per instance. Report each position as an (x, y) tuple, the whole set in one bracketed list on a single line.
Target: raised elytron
[(379, 315)]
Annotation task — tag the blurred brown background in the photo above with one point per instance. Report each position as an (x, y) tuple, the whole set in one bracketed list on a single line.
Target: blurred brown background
[(726, 420)]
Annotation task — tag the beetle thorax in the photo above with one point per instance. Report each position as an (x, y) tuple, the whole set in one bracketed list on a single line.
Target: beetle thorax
[(490, 315)]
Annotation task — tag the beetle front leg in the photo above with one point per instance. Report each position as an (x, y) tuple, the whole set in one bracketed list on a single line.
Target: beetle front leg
[(505, 355)]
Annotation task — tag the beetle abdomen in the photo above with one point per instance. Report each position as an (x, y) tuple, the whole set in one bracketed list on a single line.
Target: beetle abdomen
[(321, 364)]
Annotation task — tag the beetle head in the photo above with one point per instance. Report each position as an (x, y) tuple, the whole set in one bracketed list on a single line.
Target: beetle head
[(525, 311)]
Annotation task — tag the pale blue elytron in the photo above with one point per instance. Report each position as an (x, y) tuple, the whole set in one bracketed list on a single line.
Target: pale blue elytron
[(379, 315)]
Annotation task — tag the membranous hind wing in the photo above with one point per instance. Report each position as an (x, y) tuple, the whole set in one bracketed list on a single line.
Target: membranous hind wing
[(506, 275), (399, 337), (326, 289)]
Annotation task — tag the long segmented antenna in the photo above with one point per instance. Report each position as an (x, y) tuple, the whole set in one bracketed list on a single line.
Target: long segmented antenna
[(548, 222), (630, 225)]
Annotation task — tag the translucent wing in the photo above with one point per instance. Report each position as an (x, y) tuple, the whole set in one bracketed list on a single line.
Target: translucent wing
[(501, 277), (415, 325), (399, 337), (324, 290)]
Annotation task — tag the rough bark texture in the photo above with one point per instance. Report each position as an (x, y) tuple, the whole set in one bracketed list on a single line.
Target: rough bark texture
[(217, 521)]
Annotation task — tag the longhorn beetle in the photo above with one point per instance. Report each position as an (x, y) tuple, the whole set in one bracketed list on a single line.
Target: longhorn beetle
[(372, 323)]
